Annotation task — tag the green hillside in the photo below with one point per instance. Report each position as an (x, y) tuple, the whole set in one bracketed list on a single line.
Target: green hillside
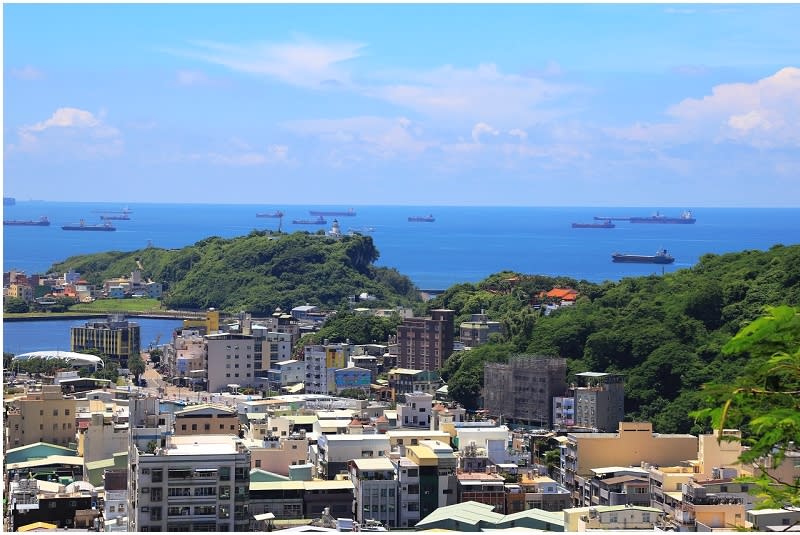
[(665, 333), (257, 272)]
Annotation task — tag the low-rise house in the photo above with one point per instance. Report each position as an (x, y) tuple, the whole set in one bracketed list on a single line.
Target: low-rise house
[(289, 500), (416, 411), (482, 487), (780, 519), (474, 516), (543, 492), (206, 419)]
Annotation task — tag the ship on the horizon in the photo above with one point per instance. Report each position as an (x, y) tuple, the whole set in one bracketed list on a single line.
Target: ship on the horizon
[(606, 224), (685, 219), (422, 218), (275, 214), (318, 221), (9, 201), (103, 227), (349, 212), (122, 216), (661, 257), (41, 222)]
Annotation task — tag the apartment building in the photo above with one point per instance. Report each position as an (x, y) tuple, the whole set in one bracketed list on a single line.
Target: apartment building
[(425, 343), (437, 475), (616, 517), (617, 485), (600, 402), (416, 411), (478, 329), (335, 451), (633, 444), (194, 483), (543, 492), (321, 363), (104, 433), (42, 415), (229, 359), (375, 489), (399, 439), (523, 389), (206, 419), (115, 337)]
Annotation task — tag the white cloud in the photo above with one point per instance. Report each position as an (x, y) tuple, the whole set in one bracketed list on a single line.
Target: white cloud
[(482, 128), (27, 73), (303, 62), (472, 94), (379, 136), (763, 114), (70, 132), (240, 155), (518, 132)]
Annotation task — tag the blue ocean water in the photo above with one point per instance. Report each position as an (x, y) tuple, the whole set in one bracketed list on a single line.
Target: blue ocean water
[(464, 244), (26, 336)]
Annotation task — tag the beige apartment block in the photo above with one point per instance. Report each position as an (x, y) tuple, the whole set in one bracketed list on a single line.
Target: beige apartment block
[(43, 415), (616, 517), (206, 419), (634, 444)]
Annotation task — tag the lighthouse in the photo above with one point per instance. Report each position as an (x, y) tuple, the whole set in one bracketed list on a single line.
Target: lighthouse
[(335, 231)]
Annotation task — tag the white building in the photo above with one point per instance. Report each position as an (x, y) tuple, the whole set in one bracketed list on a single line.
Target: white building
[(416, 411), (290, 372), (321, 363), (195, 483), (408, 502), (375, 489), (495, 440), (332, 452)]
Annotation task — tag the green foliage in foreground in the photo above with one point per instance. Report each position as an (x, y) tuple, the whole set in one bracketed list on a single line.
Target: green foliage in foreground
[(764, 401), (665, 333), (258, 272)]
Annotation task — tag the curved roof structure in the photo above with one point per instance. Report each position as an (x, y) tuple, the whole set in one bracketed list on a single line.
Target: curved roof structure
[(76, 359)]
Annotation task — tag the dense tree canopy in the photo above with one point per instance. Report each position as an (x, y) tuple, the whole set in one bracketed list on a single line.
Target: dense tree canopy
[(665, 333), (258, 272)]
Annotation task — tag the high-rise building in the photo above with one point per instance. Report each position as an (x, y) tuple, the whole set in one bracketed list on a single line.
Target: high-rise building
[(229, 360), (523, 389), (114, 337), (425, 343)]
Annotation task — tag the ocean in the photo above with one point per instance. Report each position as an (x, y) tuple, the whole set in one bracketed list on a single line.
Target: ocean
[(464, 244)]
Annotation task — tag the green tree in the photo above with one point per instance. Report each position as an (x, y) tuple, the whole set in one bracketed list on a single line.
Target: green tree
[(136, 365), (15, 305), (764, 401)]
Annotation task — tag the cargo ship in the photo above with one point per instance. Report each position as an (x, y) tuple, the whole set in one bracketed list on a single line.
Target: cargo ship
[(422, 219), (9, 201), (116, 217), (270, 214), (685, 219), (318, 221), (661, 257), (41, 222), (350, 212), (104, 227), (606, 224)]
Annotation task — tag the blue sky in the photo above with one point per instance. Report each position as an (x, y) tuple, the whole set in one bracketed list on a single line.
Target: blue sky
[(680, 105)]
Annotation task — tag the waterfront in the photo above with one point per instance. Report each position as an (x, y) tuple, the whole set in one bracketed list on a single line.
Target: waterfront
[(26, 336), (465, 244)]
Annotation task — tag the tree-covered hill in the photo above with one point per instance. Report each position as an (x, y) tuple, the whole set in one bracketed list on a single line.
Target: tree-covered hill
[(257, 272), (664, 332)]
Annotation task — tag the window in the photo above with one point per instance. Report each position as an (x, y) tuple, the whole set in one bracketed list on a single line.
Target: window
[(207, 427), (413, 472), (258, 463), (155, 513), (183, 427), (413, 489), (55, 412), (645, 517), (66, 412), (158, 475), (155, 494), (194, 427), (41, 413)]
